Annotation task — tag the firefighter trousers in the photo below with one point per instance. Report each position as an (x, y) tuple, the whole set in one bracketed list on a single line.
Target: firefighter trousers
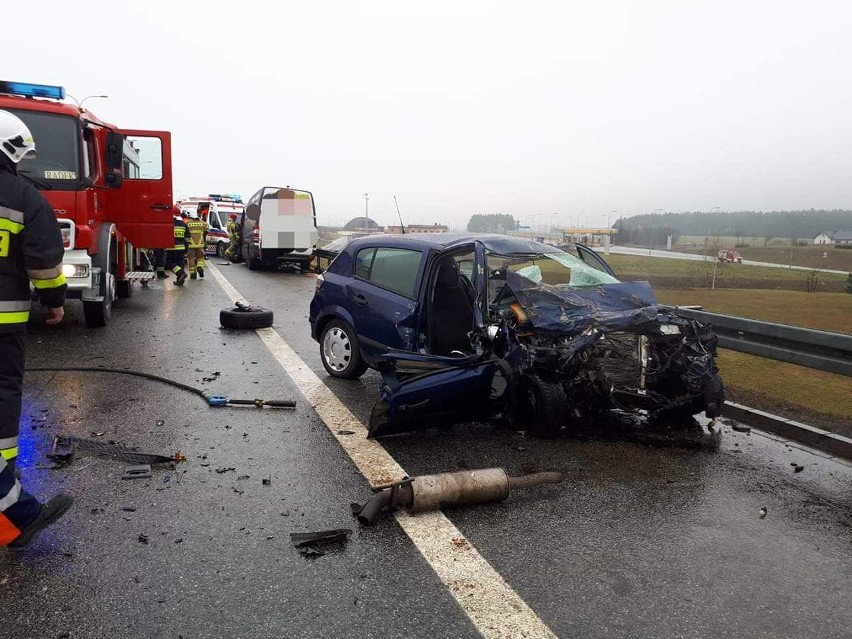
[(17, 507), (175, 261), (11, 385), (195, 259)]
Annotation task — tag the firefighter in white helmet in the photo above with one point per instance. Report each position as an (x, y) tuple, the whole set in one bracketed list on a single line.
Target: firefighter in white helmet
[(31, 252)]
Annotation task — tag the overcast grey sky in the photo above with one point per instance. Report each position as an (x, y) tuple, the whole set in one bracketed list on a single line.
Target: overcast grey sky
[(470, 107)]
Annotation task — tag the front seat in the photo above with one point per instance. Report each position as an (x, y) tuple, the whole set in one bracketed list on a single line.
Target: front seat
[(452, 311)]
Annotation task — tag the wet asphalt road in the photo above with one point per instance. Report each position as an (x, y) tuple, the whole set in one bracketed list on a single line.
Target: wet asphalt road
[(653, 534)]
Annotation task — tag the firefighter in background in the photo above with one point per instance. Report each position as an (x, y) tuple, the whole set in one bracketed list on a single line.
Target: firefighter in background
[(197, 238), (176, 256), (233, 236), (30, 252)]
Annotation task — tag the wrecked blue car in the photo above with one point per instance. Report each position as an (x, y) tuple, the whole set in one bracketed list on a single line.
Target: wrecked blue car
[(494, 328)]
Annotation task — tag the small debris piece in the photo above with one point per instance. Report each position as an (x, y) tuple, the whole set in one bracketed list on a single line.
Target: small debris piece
[(798, 468), (139, 471), (763, 512), (129, 509), (740, 428), (346, 432), (310, 551), (240, 477), (337, 535), (267, 481), (161, 422), (49, 466), (61, 450), (239, 492), (225, 470), (98, 433), (143, 538), (179, 540)]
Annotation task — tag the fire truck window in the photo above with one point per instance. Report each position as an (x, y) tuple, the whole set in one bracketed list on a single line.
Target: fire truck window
[(143, 158), (58, 148)]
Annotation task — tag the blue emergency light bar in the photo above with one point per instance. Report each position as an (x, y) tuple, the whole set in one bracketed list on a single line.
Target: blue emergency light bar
[(215, 197), (28, 90)]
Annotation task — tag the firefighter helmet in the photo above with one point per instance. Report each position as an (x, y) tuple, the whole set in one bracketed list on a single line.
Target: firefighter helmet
[(16, 141), (233, 216)]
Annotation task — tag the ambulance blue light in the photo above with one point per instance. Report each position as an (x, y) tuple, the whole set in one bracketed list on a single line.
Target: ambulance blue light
[(32, 90)]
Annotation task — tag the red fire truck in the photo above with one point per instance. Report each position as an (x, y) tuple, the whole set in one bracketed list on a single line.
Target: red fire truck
[(111, 190)]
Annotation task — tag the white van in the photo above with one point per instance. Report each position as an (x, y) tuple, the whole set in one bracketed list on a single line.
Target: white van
[(279, 227)]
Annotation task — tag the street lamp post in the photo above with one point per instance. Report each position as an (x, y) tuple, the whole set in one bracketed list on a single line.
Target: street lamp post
[(80, 103), (367, 205), (550, 230)]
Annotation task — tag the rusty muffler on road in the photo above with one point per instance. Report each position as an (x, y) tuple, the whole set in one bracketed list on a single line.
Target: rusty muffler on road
[(462, 488)]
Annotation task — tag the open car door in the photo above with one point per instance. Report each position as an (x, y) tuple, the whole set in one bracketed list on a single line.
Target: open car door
[(594, 260), (141, 206), (424, 391)]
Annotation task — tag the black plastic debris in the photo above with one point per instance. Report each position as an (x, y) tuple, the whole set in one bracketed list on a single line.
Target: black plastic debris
[(797, 468), (139, 471), (346, 432), (313, 544), (63, 443), (222, 470), (62, 450), (143, 538)]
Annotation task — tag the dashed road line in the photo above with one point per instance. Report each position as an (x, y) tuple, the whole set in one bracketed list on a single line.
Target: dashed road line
[(490, 603)]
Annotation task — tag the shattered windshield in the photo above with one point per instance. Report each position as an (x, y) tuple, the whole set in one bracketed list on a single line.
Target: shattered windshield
[(551, 269)]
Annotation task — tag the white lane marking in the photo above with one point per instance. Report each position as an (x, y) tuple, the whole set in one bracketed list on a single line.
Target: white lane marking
[(489, 602)]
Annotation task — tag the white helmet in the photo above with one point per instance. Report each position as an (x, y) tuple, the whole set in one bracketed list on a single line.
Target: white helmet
[(16, 141)]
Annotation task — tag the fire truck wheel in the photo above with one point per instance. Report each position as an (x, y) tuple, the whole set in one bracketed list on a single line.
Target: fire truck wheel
[(99, 313), (123, 289), (245, 317)]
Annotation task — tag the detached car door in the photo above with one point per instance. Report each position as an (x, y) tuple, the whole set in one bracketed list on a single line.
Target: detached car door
[(383, 298)]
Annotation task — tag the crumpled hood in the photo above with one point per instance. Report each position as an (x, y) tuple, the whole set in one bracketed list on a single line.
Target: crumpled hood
[(570, 310)]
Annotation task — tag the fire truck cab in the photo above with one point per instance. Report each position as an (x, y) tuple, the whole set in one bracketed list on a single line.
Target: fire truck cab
[(110, 188)]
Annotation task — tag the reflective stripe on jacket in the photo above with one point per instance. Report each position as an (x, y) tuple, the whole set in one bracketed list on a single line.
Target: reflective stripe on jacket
[(197, 230), (180, 235), (31, 251)]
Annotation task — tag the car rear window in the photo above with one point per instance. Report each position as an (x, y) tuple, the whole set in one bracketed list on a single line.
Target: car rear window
[(391, 268)]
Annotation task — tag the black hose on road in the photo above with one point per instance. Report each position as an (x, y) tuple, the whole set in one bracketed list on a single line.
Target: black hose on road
[(212, 400)]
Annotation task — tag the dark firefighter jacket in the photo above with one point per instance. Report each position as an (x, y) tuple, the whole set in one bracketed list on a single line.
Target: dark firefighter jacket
[(31, 250), (181, 235)]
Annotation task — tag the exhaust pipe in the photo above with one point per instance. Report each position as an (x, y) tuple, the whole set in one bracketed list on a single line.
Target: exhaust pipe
[(434, 492)]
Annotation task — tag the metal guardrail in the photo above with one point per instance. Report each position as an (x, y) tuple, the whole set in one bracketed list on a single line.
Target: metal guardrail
[(823, 350)]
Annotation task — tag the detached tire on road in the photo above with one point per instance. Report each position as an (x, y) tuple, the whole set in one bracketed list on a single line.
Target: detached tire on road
[(249, 317)]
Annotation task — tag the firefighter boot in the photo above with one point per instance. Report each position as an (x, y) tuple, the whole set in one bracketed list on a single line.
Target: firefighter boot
[(181, 277), (200, 269), (49, 513), (193, 276)]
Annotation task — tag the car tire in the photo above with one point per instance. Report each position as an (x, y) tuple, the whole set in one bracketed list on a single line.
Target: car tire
[(249, 317), (220, 249), (547, 407), (340, 351)]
